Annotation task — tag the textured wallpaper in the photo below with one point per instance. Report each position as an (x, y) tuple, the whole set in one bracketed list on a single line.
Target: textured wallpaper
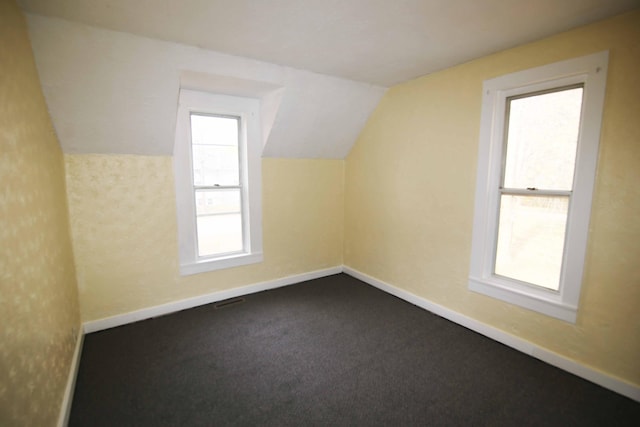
[(39, 315), (123, 220), (410, 183)]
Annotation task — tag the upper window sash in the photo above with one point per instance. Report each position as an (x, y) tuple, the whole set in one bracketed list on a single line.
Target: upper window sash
[(538, 183), (236, 133)]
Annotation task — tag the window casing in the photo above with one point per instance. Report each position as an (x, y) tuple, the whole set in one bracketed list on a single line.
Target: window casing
[(218, 181), (552, 199)]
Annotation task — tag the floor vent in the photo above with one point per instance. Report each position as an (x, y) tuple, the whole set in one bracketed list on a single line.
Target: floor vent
[(228, 302)]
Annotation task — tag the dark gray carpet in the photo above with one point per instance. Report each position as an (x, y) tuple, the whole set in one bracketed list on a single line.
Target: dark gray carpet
[(332, 351)]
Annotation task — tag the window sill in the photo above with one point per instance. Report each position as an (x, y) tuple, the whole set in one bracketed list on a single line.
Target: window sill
[(203, 266), (536, 301)]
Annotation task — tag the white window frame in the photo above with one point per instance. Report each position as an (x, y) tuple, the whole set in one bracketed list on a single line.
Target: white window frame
[(248, 110), (590, 71)]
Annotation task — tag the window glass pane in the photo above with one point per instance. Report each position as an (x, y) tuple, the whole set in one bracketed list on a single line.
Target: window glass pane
[(219, 234), (531, 239), (542, 139), (217, 201), (215, 150), (218, 221), (215, 165)]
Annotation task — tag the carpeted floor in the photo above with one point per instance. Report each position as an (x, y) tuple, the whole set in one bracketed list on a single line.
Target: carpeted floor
[(332, 351)]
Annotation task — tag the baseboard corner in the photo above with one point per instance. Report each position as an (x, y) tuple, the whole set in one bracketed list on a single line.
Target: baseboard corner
[(183, 304), (67, 400), (586, 372)]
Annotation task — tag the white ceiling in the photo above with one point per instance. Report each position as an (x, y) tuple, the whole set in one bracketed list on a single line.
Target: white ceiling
[(383, 42), (111, 70), (117, 93)]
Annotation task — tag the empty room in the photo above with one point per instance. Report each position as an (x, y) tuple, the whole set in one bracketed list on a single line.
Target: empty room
[(319, 212)]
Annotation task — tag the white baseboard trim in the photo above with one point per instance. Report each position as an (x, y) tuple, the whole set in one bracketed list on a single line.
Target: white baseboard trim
[(67, 400), (172, 307), (607, 381)]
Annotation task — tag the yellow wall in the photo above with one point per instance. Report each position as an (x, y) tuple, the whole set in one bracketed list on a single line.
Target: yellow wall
[(123, 222), (409, 192), (39, 316), (409, 186)]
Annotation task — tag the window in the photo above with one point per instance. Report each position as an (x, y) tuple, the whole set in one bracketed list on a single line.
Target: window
[(539, 137), (217, 171)]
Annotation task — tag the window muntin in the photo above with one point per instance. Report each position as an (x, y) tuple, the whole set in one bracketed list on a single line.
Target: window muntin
[(507, 191)]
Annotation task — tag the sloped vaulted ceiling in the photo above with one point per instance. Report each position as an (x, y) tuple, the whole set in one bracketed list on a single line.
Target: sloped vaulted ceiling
[(113, 92), (383, 42)]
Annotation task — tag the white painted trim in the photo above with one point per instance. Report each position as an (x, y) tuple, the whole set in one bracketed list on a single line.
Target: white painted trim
[(67, 400), (171, 307), (250, 183), (220, 263), (590, 374), (591, 72), (540, 301)]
